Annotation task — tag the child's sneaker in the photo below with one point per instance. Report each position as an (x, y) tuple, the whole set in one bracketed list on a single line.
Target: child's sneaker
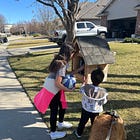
[(64, 125), (78, 136), (57, 135)]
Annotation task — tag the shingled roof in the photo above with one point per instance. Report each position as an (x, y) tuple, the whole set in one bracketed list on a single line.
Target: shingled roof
[(90, 10), (137, 7), (94, 50)]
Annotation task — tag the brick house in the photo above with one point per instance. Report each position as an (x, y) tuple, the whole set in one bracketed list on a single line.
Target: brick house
[(121, 17), (90, 10)]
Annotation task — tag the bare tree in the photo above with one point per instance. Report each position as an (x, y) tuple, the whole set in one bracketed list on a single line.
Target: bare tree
[(67, 11), (2, 22), (45, 16)]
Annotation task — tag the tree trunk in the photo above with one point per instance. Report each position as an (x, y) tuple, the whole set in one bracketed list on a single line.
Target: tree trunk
[(70, 33)]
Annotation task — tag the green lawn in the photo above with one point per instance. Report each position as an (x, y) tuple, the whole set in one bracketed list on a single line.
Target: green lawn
[(28, 41), (123, 86)]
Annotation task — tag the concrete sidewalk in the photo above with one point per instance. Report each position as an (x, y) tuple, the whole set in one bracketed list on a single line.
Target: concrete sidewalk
[(18, 118)]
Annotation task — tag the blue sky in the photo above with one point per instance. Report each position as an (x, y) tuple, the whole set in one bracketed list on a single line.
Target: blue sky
[(18, 11)]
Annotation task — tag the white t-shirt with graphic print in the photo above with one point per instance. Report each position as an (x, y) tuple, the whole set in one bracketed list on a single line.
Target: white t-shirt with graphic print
[(93, 98)]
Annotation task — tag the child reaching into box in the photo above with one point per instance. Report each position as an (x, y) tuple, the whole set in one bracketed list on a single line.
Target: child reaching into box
[(92, 101)]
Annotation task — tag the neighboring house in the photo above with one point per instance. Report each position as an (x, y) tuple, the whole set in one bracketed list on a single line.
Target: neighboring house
[(122, 18), (7, 28), (90, 10)]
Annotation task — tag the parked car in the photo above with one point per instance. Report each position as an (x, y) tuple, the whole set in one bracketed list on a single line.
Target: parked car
[(3, 38), (82, 28)]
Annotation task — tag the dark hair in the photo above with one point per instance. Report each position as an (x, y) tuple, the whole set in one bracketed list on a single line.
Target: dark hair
[(58, 62), (97, 76), (66, 50)]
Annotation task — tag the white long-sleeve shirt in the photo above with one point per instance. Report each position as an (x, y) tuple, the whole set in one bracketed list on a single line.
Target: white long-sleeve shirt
[(93, 98)]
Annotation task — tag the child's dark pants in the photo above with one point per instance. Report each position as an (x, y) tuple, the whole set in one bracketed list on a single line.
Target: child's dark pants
[(55, 103), (84, 119)]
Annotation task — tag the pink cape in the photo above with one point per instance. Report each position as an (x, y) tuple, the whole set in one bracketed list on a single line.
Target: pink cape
[(43, 98), (63, 100)]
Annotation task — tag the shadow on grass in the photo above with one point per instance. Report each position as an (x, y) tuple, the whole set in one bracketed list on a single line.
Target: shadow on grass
[(124, 83), (44, 70), (133, 131), (33, 55), (123, 76), (122, 90), (29, 70), (75, 120), (45, 47), (75, 107), (121, 104)]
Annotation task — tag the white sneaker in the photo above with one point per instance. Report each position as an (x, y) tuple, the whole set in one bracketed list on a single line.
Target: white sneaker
[(64, 125), (57, 135), (78, 136)]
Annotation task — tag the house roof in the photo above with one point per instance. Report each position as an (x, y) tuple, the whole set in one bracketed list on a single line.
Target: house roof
[(137, 7), (102, 11), (90, 10), (95, 50), (107, 5)]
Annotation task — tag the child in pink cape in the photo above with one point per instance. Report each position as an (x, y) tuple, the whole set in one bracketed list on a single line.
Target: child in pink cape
[(52, 94)]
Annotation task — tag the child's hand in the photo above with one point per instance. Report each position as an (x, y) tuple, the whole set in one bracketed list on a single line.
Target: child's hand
[(84, 81), (70, 90)]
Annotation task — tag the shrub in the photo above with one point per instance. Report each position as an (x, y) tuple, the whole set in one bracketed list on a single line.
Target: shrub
[(35, 34), (131, 40)]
